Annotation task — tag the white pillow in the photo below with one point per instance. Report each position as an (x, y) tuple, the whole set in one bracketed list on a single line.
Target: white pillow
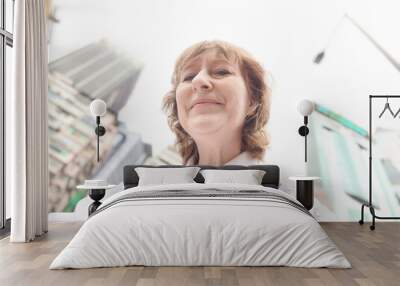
[(162, 176), (248, 177)]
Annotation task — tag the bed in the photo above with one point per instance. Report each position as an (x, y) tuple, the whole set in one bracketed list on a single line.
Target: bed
[(201, 224)]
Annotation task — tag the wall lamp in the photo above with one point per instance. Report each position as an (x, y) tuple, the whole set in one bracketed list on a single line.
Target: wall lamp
[(98, 108), (305, 108)]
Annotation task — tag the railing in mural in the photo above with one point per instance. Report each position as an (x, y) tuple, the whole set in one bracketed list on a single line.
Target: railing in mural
[(340, 158)]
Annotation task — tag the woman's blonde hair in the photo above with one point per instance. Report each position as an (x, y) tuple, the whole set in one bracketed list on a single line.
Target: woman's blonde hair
[(254, 137)]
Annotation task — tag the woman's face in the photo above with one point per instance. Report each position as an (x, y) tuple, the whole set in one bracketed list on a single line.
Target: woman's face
[(211, 96)]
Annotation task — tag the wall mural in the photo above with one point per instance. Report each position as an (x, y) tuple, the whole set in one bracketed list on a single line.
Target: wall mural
[(147, 67)]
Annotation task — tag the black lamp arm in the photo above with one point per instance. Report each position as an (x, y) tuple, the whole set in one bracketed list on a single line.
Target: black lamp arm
[(100, 131), (303, 131)]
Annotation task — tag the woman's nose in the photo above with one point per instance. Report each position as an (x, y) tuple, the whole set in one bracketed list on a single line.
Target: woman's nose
[(201, 82)]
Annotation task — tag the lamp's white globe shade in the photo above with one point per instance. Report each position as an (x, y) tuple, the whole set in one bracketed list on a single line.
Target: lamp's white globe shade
[(305, 107), (98, 107)]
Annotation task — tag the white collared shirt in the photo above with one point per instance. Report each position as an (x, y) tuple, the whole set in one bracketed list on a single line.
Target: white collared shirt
[(243, 158)]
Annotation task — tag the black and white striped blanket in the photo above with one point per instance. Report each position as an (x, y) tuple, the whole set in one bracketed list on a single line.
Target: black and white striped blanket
[(206, 194)]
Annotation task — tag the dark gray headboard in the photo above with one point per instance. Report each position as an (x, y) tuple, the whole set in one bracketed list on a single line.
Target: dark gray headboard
[(270, 179)]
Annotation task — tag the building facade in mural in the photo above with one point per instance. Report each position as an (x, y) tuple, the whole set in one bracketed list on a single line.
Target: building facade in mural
[(94, 71)]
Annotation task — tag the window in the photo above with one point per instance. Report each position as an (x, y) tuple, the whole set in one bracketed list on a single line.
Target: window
[(6, 43)]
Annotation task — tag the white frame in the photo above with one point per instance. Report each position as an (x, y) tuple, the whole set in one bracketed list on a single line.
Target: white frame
[(6, 38)]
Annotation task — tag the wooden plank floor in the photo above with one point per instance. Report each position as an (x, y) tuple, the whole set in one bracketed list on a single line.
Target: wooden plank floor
[(375, 257)]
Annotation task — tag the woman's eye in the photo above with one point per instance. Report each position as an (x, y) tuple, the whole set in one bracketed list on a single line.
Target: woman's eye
[(222, 72), (188, 77)]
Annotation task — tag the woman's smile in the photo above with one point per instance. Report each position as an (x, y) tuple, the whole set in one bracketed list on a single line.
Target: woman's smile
[(205, 103)]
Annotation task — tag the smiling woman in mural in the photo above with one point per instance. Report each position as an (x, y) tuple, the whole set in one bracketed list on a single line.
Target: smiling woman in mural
[(218, 106)]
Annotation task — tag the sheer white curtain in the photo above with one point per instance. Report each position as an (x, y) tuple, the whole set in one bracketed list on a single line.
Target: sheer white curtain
[(26, 117)]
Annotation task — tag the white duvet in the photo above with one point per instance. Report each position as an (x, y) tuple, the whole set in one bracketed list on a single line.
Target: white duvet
[(200, 231)]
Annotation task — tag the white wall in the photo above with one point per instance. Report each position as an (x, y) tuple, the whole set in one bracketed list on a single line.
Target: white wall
[(284, 35)]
